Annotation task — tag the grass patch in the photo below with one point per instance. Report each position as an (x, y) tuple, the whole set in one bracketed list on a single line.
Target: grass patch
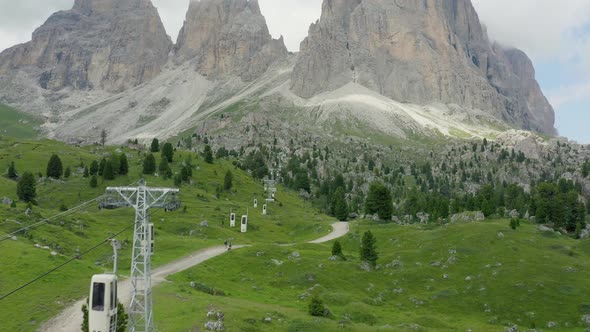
[(447, 278), (18, 124)]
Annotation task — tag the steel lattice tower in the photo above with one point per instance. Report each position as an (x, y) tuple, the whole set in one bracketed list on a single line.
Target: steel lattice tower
[(269, 187), (141, 198)]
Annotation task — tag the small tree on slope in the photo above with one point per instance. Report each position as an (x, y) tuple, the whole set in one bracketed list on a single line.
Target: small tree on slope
[(369, 248)]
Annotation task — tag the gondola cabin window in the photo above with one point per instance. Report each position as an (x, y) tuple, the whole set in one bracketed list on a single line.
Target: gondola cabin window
[(98, 296)]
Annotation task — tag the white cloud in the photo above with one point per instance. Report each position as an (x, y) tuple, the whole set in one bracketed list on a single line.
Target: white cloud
[(570, 94), (554, 33), (542, 28), (291, 19), (18, 19)]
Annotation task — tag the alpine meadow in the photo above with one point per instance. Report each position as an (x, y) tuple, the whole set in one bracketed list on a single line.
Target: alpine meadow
[(401, 172)]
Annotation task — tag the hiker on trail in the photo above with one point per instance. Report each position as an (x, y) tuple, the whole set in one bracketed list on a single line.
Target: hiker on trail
[(225, 244), (229, 246)]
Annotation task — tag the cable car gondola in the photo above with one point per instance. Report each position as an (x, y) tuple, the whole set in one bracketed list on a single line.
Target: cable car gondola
[(102, 309)]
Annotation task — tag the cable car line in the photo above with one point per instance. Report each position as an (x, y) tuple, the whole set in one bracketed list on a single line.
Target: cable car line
[(73, 259), (61, 214), (63, 264), (47, 220)]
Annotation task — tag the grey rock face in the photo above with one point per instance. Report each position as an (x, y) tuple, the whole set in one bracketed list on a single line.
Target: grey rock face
[(228, 37), (107, 44), (420, 52)]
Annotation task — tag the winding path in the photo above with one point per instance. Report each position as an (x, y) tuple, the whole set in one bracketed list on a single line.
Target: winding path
[(70, 319)]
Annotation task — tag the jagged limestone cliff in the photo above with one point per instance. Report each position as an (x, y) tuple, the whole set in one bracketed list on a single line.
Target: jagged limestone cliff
[(99, 44), (228, 38), (420, 52)]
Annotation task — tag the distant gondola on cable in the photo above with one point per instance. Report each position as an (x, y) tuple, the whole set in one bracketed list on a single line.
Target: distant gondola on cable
[(112, 202), (102, 309)]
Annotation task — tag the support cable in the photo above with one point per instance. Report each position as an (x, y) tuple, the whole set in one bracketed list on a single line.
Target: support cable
[(47, 220), (68, 261), (61, 214)]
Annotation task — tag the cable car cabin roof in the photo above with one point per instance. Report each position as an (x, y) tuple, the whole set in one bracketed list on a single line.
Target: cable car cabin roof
[(112, 205), (106, 278)]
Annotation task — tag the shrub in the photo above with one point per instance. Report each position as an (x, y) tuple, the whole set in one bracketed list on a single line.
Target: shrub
[(337, 249), (514, 223), (316, 307)]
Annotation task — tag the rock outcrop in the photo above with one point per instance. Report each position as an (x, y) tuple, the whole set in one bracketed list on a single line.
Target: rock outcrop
[(228, 37), (98, 44), (420, 52)]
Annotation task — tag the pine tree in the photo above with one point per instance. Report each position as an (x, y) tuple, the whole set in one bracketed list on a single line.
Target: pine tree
[(337, 249), (228, 181), (149, 164), (177, 180), (55, 167), (12, 171), (339, 205), (123, 164), (369, 248), (68, 172), (26, 187), (85, 326), (208, 154), (184, 173), (115, 163), (122, 318), (188, 143), (379, 201), (94, 167), (101, 166), (108, 172), (86, 172), (302, 181), (164, 168), (168, 152), (93, 182), (155, 147), (103, 137)]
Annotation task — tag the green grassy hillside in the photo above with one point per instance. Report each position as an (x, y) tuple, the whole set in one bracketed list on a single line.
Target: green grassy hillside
[(177, 233), (18, 124), (476, 276)]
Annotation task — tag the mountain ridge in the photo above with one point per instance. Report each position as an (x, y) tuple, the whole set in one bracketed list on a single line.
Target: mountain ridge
[(225, 52)]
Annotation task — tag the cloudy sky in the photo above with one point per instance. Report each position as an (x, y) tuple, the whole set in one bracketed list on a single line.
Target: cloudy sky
[(555, 34)]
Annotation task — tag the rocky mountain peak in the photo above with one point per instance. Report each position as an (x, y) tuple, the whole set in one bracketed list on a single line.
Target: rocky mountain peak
[(98, 44), (105, 6), (228, 37), (420, 52)]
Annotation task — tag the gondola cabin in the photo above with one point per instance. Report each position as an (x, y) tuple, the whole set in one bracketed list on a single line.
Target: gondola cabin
[(149, 242), (102, 304), (244, 226), (151, 237), (232, 220)]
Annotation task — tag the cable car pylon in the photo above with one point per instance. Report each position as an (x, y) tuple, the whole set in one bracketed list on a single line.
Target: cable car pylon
[(142, 198)]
